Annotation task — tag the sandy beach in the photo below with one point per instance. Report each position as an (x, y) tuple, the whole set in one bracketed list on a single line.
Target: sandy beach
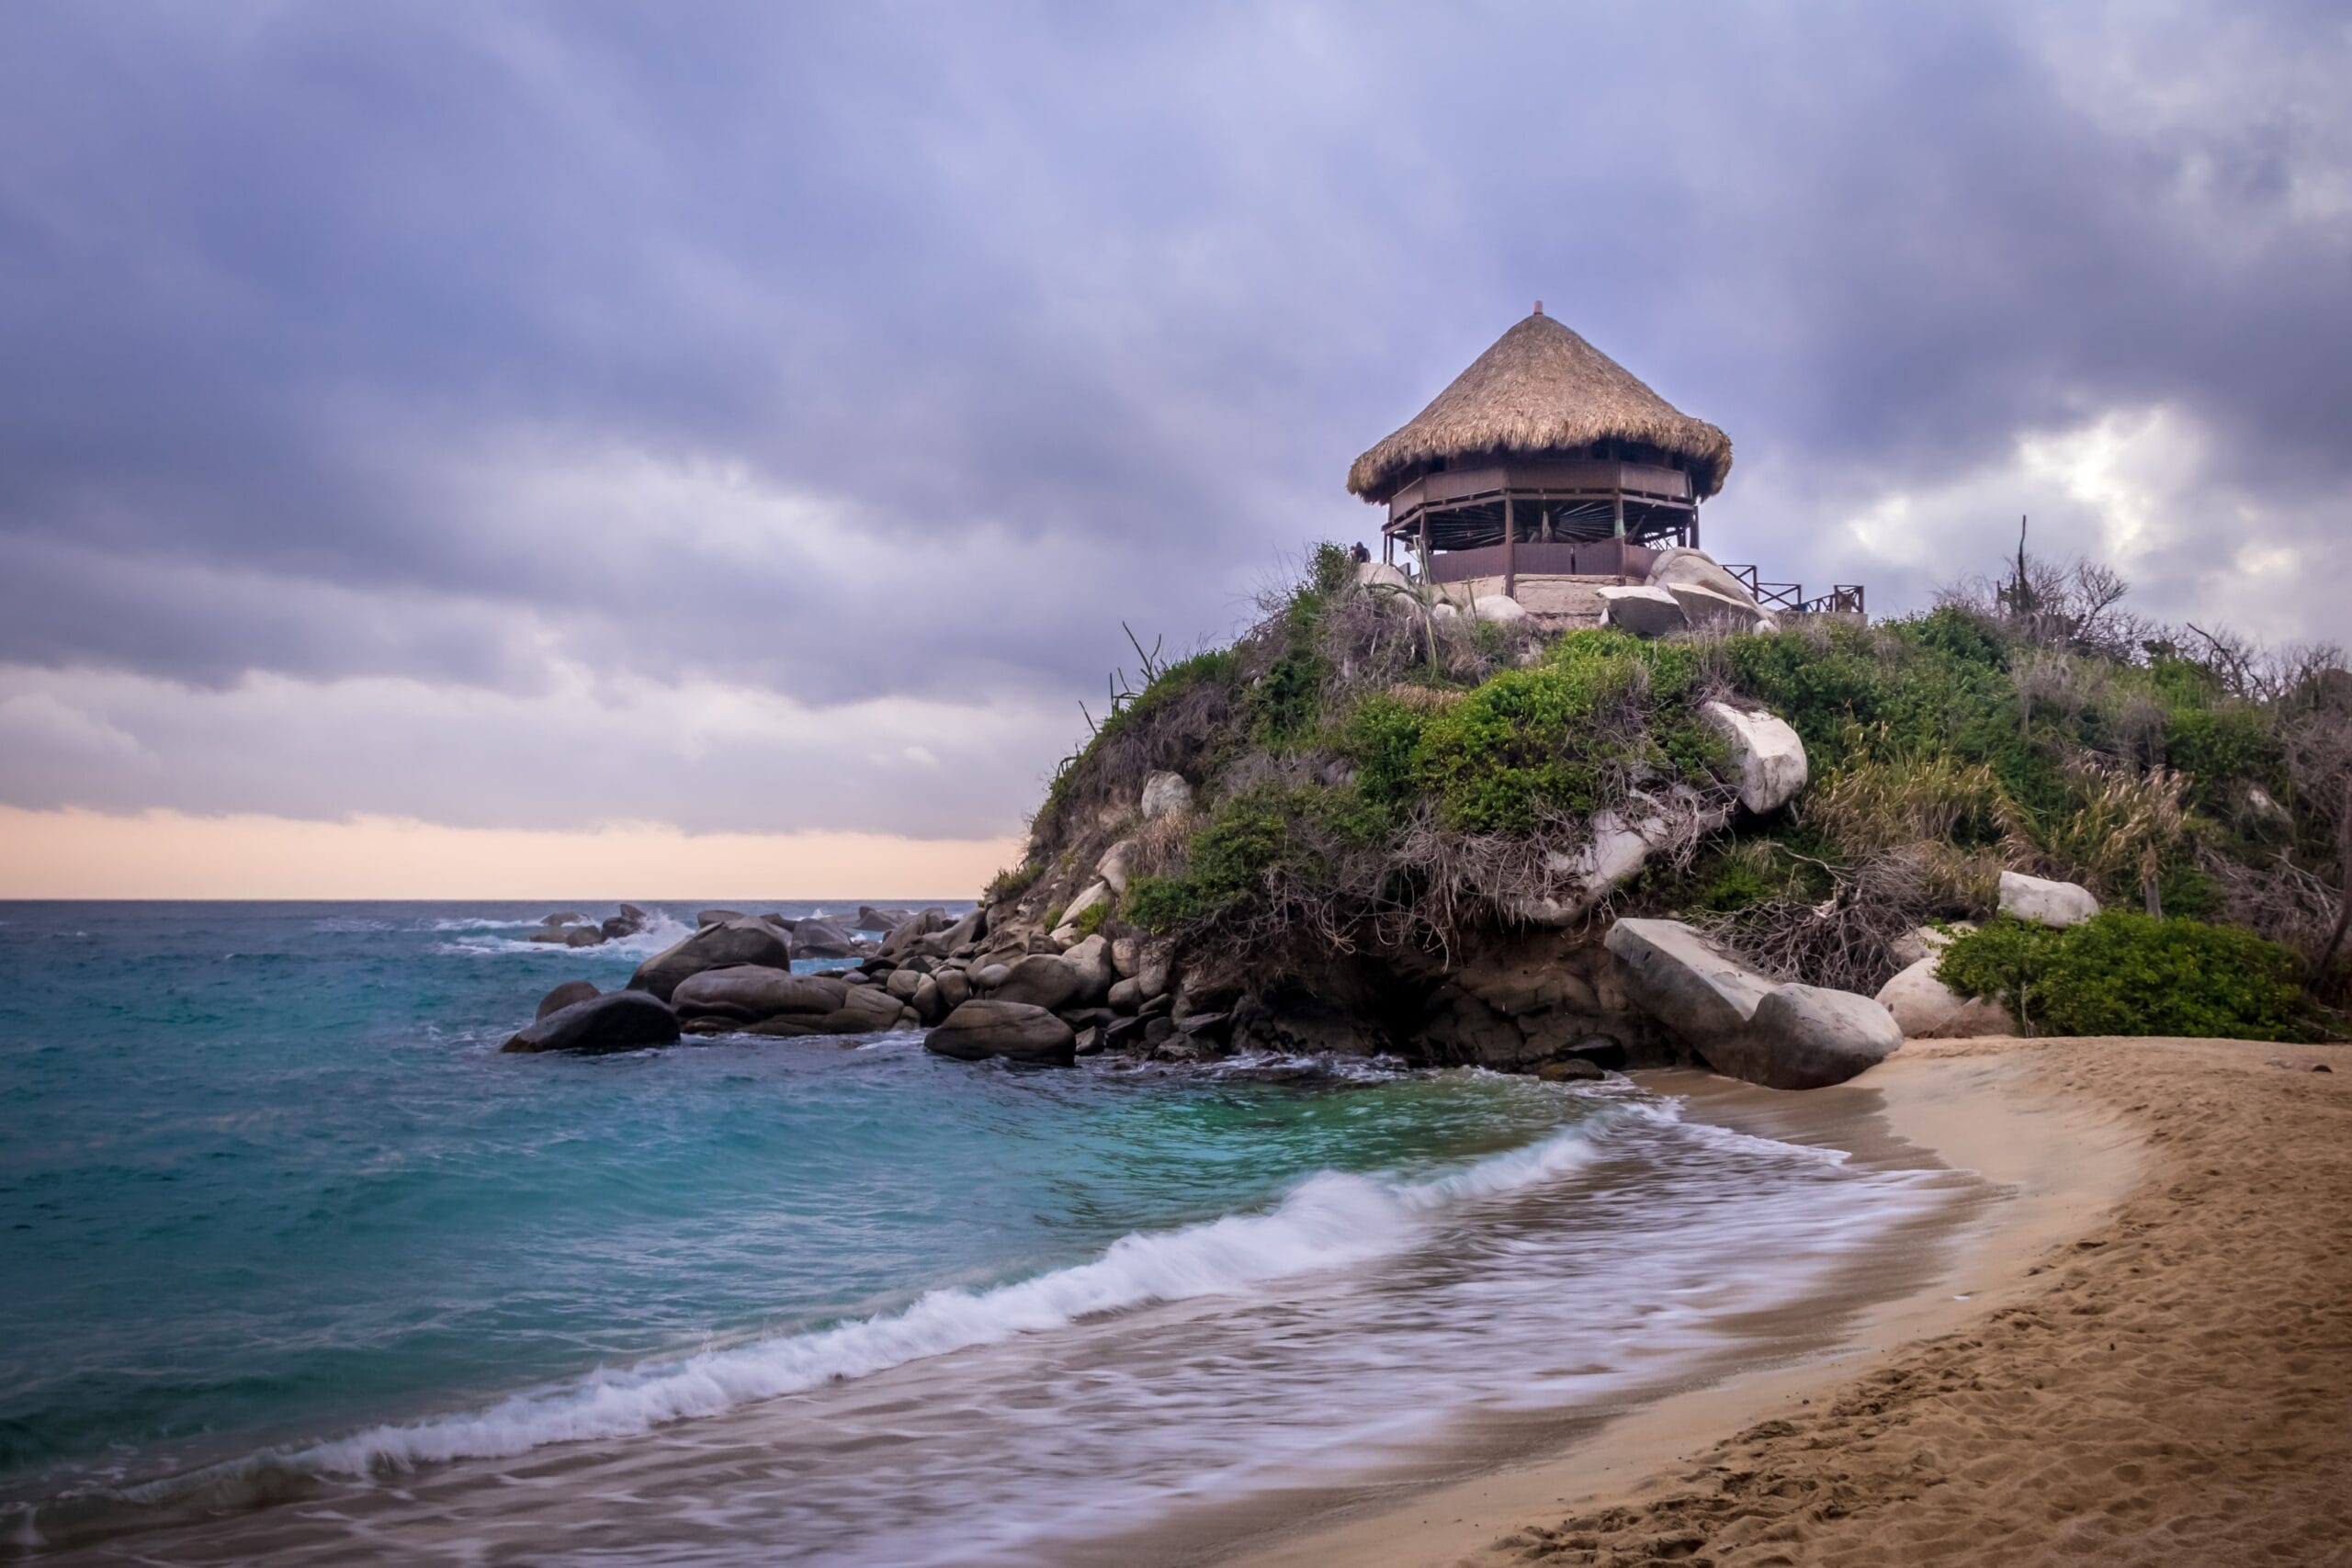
[(2143, 1355)]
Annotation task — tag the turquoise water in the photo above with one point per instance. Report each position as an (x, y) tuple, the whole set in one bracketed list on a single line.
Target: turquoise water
[(278, 1220)]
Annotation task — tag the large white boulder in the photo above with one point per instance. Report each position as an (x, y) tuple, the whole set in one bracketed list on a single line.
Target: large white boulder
[(1116, 864), (1705, 607), (1682, 567), (2045, 902), (1644, 612), (1500, 608), (1741, 1022), (1770, 756), (1684, 981), (1808, 1037), (1164, 793), (1380, 574), (1924, 1008)]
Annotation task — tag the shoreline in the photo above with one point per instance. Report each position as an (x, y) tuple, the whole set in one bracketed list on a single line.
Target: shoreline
[(2080, 1133)]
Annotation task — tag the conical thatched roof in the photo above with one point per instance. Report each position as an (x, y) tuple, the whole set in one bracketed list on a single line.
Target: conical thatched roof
[(1541, 388)]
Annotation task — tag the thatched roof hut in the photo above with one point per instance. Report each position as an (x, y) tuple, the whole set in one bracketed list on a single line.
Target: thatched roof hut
[(1547, 457), (1543, 390)]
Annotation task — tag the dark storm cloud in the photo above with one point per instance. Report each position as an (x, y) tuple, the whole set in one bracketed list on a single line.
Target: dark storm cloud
[(905, 351)]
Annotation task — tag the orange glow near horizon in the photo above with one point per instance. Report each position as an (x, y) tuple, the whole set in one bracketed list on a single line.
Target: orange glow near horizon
[(75, 853)]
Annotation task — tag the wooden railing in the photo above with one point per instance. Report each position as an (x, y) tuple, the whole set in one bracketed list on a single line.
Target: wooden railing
[(1843, 599)]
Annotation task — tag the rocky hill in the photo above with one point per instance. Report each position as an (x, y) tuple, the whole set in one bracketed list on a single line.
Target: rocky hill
[(1377, 822)]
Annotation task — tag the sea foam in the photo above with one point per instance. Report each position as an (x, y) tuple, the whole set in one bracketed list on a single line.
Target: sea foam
[(1330, 1220)]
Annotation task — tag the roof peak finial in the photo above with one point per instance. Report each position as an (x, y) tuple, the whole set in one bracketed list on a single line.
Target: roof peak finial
[(1539, 307)]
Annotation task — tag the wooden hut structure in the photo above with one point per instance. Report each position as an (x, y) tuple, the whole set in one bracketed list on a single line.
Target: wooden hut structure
[(1546, 458)]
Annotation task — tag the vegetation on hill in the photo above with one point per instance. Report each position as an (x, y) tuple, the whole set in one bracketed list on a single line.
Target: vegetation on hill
[(1370, 775)]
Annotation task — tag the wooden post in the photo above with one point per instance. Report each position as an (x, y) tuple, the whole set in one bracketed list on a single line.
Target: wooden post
[(1694, 527), (1425, 540), (1511, 542), (1621, 535)]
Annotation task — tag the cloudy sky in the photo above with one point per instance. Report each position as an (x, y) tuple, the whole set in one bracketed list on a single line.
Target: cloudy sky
[(583, 448)]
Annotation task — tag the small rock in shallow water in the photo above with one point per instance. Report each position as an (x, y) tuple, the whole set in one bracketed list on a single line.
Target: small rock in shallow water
[(1575, 1069), (619, 1021), (1015, 1031)]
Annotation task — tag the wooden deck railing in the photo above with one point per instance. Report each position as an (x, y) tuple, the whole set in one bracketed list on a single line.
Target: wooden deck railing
[(1843, 599)]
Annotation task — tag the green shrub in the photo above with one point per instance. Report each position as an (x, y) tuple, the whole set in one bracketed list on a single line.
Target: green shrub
[(1527, 739), (2129, 974), (1161, 904), (1012, 882), (1091, 918)]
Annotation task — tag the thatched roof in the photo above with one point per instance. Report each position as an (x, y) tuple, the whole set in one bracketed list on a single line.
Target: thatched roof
[(1542, 388)]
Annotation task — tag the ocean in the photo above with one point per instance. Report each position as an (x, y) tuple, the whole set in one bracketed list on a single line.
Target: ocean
[(300, 1268)]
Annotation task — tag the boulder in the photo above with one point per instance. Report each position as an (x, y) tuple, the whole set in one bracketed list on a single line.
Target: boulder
[(1443, 611), (1015, 1031), (1153, 973), (568, 917), (1126, 956), (954, 988), (1770, 756), (1165, 793), (926, 1002), (1926, 941), (870, 918), (1704, 607), (1618, 847), (1676, 976), (756, 991), (717, 917), (1808, 1037), (1572, 1070), (963, 934), (1374, 574), (1924, 1008), (1679, 567), (1499, 608), (1116, 864), (901, 982), (563, 995), (1124, 995), (713, 947), (820, 939), (617, 1020), (912, 930), (1044, 980), (555, 935), (864, 1010), (2045, 902), (1091, 961), (1644, 612), (1097, 895), (988, 976), (583, 936), (620, 926), (633, 915)]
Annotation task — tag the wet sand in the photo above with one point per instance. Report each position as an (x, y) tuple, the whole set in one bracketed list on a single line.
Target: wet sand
[(2142, 1355)]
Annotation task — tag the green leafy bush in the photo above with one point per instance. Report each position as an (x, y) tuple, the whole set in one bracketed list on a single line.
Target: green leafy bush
[(1524, 739), (2128, 974)]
